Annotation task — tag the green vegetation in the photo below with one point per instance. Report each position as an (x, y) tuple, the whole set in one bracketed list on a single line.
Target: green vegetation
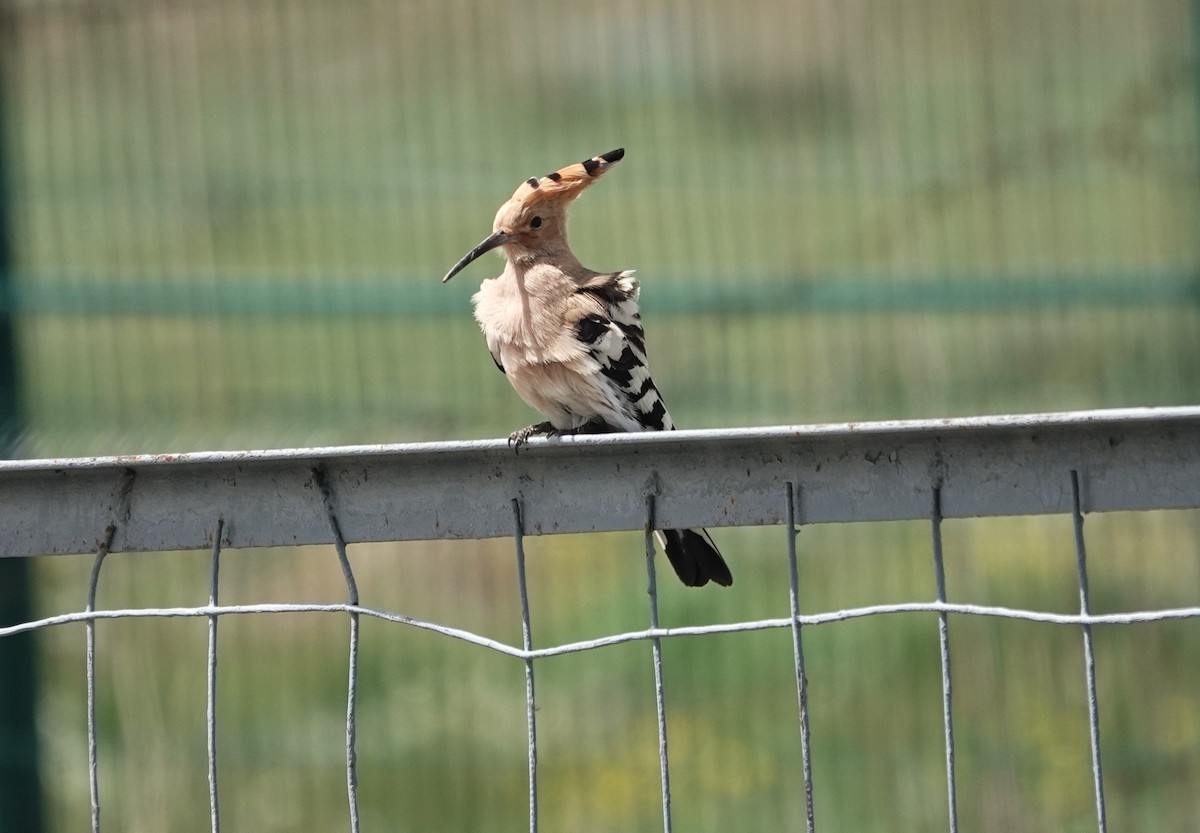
[(231, 219)]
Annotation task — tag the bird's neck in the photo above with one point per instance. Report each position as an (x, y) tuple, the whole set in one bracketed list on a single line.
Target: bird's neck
[(553, 256)]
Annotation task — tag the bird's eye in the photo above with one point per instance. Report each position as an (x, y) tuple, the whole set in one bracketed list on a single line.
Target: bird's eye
[(536, 222)]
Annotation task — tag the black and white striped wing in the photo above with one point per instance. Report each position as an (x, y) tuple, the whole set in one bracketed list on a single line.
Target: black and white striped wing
[(615, 339)]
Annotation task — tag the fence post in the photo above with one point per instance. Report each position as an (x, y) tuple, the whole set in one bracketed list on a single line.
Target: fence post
[(20, 788)]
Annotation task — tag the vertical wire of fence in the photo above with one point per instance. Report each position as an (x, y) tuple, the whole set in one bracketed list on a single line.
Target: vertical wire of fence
[(656, 652), (939, 569), (339, 541), (123, 511), (527, 645), (90, 607), (211, 697), (1089, 652), (793, 532)]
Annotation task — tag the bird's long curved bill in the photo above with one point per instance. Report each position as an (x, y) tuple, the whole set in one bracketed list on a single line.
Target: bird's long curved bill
[(496, 238)]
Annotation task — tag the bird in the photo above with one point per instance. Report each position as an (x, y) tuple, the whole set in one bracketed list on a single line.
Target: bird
[(570, 340)]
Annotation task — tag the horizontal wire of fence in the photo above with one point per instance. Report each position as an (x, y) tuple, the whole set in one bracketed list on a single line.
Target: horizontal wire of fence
[(767, 623), (1068, 464)]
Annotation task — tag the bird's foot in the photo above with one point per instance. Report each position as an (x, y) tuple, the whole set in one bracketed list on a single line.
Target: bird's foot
[(542, 429)]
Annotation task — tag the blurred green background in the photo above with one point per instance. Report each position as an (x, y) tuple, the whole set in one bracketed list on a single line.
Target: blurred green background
[(229, 220)]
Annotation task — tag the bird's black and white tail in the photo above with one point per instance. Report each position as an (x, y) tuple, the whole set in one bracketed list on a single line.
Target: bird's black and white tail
[(694, 557)]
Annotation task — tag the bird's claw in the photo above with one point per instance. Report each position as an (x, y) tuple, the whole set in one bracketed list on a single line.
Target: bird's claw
[(518, 438), (542, 429)]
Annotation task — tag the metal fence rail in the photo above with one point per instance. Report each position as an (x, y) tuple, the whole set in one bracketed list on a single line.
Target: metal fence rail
[(1067, 464)]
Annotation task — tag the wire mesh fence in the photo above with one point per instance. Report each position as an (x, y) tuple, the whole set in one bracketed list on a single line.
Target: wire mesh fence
[(1066, 465)]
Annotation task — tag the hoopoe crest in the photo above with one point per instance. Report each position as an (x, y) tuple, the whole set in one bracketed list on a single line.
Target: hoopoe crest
[(570, 339)]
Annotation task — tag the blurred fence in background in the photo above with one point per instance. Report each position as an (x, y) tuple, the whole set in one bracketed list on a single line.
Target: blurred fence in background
[(230, 216), (228, 219)]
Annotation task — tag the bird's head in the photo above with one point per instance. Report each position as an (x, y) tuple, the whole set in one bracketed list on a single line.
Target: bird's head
[(535, 217)]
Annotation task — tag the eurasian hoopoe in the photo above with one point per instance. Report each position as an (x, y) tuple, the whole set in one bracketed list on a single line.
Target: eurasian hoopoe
[(570, 340)]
